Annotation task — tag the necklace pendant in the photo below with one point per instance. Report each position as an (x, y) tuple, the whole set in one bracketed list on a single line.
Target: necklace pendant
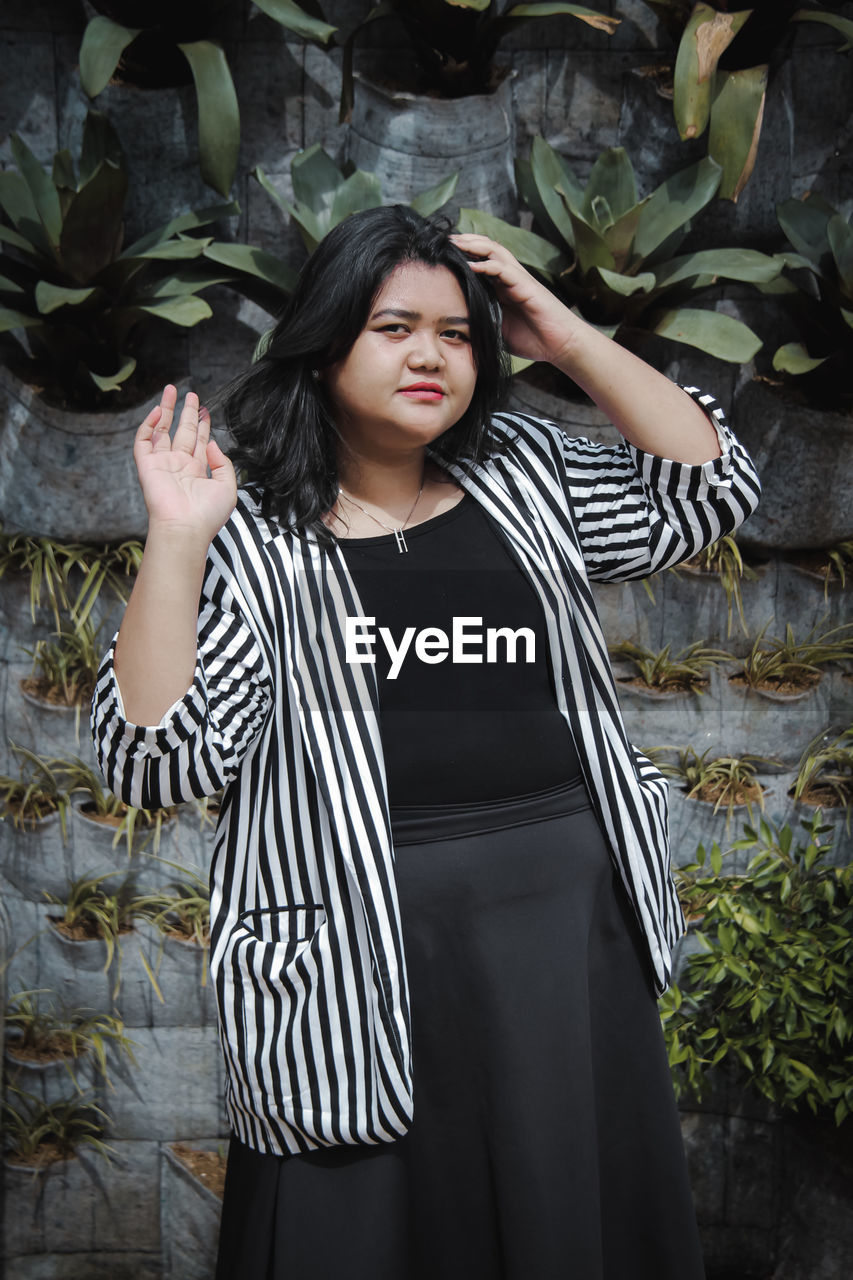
[(400, 540)]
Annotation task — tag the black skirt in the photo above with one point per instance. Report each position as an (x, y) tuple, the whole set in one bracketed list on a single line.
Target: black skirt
[(545, 1143)]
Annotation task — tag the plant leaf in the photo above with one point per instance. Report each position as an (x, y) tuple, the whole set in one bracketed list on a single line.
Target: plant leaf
[(104, 41), (842, 25), (218, 113), (44, 194), (612, 176), (174, 250), (529, 248), (590, 246), (626, 285), (315, 177), (557, 186), (805, 223), (427, 202), (674, 203), (49, 297), (359, 191), (261, 178), (731, 264), (523, 12), (255, 262), (736, 115), (184, 311), (112, 382), (711, 331), (289, 15), (794, 358), (840, 237), (184, 222), (16, 320), (706, 35), (92, 231)]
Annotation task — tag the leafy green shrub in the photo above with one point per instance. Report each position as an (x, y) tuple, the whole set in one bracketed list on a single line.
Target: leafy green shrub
[(613, 256), (770, 995), (39, 1133), (41, 1034), (71, 574), (152, 42), (686, 671), (67, 281), (789, 665)]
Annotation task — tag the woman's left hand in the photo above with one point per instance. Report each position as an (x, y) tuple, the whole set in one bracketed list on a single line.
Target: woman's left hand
[(536, 324)]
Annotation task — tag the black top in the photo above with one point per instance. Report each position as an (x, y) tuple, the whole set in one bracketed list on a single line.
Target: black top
[(467, 713)]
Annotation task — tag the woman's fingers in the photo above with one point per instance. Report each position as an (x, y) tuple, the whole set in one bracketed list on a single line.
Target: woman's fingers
[(186, 434)]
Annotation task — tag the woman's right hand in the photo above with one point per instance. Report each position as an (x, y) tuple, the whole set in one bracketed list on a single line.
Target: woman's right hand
[(173, 472)]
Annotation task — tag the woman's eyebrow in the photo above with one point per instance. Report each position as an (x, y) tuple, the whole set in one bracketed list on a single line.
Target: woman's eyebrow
[(416, 315)]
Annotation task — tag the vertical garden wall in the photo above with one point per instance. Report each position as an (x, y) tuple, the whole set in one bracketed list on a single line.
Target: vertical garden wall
[(139, 247)]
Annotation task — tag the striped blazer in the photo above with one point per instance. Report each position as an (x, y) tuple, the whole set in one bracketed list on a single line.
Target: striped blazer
[(306, 950)]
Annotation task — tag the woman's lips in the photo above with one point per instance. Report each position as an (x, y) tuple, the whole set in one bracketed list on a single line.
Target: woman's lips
[(423, 391)]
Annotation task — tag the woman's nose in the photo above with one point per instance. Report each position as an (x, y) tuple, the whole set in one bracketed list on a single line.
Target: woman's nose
[(425, 352)]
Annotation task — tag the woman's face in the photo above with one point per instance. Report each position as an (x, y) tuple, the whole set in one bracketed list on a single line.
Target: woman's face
[(410, 374)]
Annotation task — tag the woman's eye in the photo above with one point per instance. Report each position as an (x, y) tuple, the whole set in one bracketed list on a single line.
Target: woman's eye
[(398, 327), (458, 335)]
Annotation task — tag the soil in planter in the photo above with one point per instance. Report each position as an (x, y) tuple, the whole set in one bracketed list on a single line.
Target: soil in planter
[(84, 932), (814, 562), (671, 686), (741, 794), (801, 685), (29, 822), (54, 696), (821, 795), (45, 1154), (207, 1166), (55, 1048)]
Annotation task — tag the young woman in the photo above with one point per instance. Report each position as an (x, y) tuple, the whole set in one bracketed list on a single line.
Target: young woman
[(440, 897)]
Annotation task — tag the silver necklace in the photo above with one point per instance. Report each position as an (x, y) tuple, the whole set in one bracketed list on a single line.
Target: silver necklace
[(398, 532)]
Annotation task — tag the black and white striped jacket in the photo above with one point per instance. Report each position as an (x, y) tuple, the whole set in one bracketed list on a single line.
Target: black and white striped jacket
[(306, 950)]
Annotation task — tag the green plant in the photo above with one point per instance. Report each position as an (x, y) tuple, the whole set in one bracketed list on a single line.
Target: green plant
[(612, 256), (825, 771), (53, 566), (67, 282), (40, 1133), (771, 992), (819, 298), (719, 80), (67, 1034), (455, 41), (723, 559), (181, 910), (323, 194), (722, 780), (89, 912), (685, 671), (82, 779), (36, 793), (789, 665), (64, 668), (141, 37)]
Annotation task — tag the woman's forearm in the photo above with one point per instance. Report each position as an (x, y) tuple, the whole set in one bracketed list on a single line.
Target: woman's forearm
[(156, 651), (647, 408)]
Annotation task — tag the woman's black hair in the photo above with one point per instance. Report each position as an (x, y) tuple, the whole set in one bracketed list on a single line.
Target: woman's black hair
[(280, 419)]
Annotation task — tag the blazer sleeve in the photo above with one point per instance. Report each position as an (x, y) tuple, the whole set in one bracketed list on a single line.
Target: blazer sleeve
[(199, 743), (637, 513)]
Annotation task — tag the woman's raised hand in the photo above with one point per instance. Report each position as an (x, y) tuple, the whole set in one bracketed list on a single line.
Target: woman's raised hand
[(536, 324), (173, 471)]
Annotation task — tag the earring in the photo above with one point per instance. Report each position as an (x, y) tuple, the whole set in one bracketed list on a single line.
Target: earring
[(315, 374)]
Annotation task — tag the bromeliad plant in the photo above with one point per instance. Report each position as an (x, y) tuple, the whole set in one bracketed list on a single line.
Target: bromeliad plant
[(102, 805), (613, 256), (71, 286), (455, 41), (817, 292), (719, 80), (770, 995), (685, 672), (159, 42), (324, 194)]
